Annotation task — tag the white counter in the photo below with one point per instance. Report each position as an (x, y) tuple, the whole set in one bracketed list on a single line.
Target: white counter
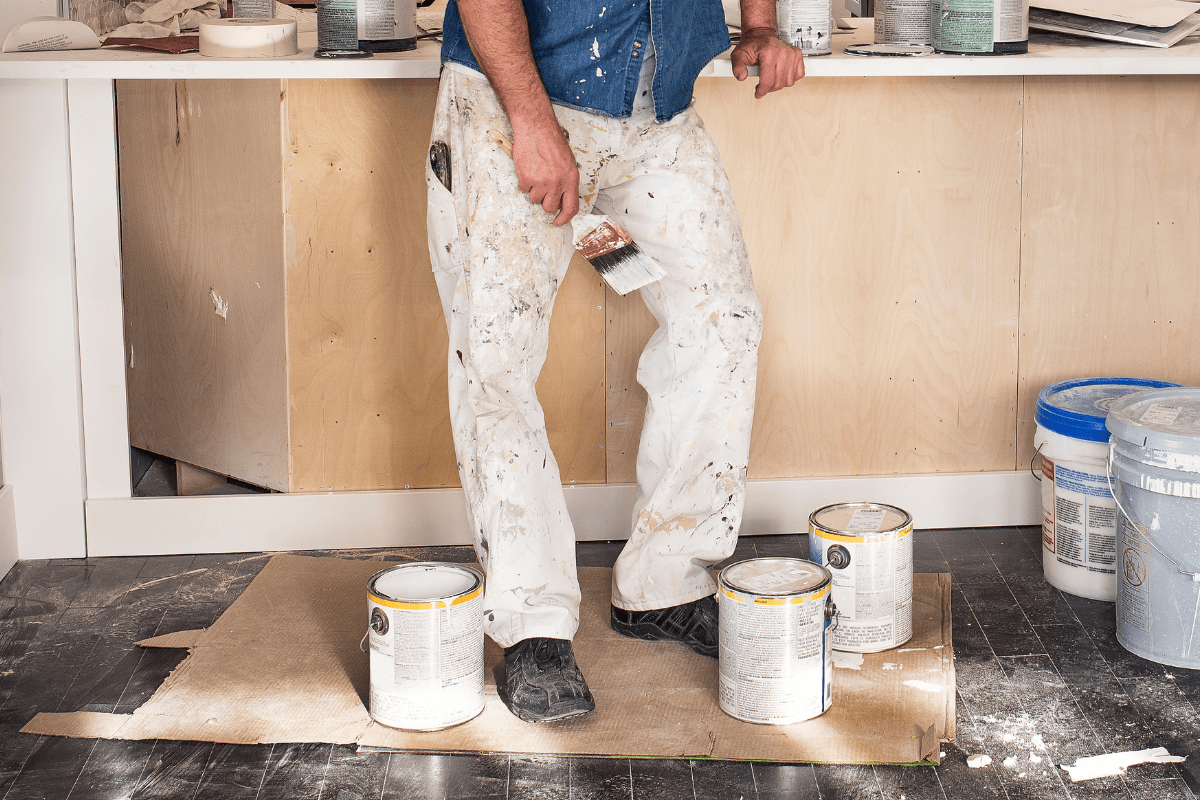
[(1049, 54)]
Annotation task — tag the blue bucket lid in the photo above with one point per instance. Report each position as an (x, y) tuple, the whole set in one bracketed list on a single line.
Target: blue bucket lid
[(1166, 420), (1077, 408)]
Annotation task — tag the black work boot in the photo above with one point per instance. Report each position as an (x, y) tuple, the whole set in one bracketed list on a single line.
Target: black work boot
[(694, 624), (542, 681)]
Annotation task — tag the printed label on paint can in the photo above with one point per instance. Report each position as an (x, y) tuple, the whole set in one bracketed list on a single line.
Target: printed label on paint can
[(1159, 414), (904, 22), (426, 643), (337, 25), (872, 573), (259, 9), (1079, 518), (776, 664), (1133, 602), (981, 26), (807, 24)]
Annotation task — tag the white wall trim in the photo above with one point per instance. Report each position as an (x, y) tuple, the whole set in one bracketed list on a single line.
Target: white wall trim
[(39, 356), (8, 531), (96, 209), (245, 523)]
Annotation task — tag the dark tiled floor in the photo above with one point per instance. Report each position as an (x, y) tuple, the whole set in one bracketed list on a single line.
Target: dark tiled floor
[(1041, 681)]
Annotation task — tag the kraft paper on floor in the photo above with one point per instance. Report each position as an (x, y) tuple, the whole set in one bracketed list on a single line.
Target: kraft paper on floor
[(283, 664)]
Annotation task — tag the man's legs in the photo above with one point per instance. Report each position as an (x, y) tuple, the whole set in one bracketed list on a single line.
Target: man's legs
[(498, 264)]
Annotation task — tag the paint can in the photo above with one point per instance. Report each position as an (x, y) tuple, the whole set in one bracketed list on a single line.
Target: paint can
[(807, 24), (426, 632), (254, 9), (776, 663), (1079, 517), (337, 30), (904, 22), (981, 27), (1155, 460), (868, 550)]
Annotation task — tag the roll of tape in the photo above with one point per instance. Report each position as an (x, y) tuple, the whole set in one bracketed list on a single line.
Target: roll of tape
[(248, 37)]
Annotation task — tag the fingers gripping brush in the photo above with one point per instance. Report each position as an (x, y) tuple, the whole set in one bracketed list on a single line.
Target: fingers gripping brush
[(606, 245)]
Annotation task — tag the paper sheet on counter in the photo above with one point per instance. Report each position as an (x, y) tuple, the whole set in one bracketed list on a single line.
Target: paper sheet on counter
[(1151, 13)]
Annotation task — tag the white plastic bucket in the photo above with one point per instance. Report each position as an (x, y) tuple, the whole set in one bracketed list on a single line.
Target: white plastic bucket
[(867, 547), (1156, 466), (426, 632), (1079, 517), (776, 662)]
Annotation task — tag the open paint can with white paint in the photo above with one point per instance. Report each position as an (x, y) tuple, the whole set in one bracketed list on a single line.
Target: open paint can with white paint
[(426, 632), (1155, 459), (868, 549), (776, 663), (1079, 517)]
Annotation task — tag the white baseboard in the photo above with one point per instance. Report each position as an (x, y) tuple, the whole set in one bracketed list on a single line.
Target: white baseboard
[(251, 523), (8, 531)]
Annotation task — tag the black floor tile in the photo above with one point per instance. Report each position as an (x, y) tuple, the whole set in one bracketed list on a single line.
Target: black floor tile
[(717, 780), (534, 778), (846, 781), (661, 779), (234, 772), (353, 775), (601, 779), (173, 770), (597, 554), (911, 783), (789, 545), (51, 770), (112, 770), (785, 781), (295, 772)]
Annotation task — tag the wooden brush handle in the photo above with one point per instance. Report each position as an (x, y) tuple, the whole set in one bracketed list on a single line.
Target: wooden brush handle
[(501, 140)]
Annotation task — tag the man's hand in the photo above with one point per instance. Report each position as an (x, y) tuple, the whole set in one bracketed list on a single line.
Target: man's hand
[(779, 65), (546, 169)]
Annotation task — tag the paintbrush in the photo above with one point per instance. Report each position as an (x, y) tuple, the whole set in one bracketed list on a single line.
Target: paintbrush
[(607, 246)]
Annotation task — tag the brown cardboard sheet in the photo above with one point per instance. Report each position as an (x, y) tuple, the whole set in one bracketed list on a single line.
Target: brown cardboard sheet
[(283, 664)]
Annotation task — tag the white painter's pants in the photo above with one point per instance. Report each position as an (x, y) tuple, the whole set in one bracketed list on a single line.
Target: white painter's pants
[(499, 261)]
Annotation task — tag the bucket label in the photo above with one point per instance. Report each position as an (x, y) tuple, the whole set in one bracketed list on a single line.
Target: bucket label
[(872, 588), (775, 661), (1160, 414), (1133, 603), (867, 519), (1079, 510), (773, 580)]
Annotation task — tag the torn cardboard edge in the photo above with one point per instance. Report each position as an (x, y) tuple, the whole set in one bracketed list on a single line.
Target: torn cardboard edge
[(283, 664)]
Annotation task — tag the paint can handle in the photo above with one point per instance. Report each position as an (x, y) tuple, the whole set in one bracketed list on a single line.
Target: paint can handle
[(832, 615), (1036, 453), (363, 640), (1144, 530)]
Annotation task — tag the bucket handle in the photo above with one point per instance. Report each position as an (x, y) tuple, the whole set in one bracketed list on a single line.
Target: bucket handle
[(1108, 474), (363, 640), (1036, 453)]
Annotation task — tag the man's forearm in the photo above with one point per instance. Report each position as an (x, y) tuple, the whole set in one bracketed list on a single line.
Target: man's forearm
[(498, 33), (758, 14)]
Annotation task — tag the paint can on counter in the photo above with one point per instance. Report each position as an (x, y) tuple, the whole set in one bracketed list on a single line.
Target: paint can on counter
[(868, 550), (1155, 461), (1079, 517), (807, 24), (426, 633), (904, 22), (981, 27), (337, 30), (776, 661)]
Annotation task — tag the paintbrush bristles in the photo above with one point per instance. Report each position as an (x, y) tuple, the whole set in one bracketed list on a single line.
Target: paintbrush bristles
[(613, 253)]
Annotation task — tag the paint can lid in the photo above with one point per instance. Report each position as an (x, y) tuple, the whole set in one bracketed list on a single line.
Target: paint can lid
[(774, 577), (1077, 408), (859, 519), (423, 581), (888, 49), (1165, 420)]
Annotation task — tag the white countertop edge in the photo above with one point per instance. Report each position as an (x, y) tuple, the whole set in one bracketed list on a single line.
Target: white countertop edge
[(1049, 55)]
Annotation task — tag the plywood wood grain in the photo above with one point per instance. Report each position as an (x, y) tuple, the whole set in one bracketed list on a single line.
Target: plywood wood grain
[(202, 253), (1110, 266), (882, 218), (367, 340)]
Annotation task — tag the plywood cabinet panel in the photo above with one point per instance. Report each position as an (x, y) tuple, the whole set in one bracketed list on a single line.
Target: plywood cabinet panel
[(882, 218), (202, 246), (1110, 268)]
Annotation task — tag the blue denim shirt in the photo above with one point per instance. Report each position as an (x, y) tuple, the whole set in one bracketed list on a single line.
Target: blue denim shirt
[(589, 52)]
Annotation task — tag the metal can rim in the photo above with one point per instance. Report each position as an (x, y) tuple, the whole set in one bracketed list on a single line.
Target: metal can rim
[(448, 599), (817, 527), (725, 583)]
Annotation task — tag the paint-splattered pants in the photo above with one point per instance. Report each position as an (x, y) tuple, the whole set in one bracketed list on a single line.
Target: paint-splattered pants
[(499, 261)]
